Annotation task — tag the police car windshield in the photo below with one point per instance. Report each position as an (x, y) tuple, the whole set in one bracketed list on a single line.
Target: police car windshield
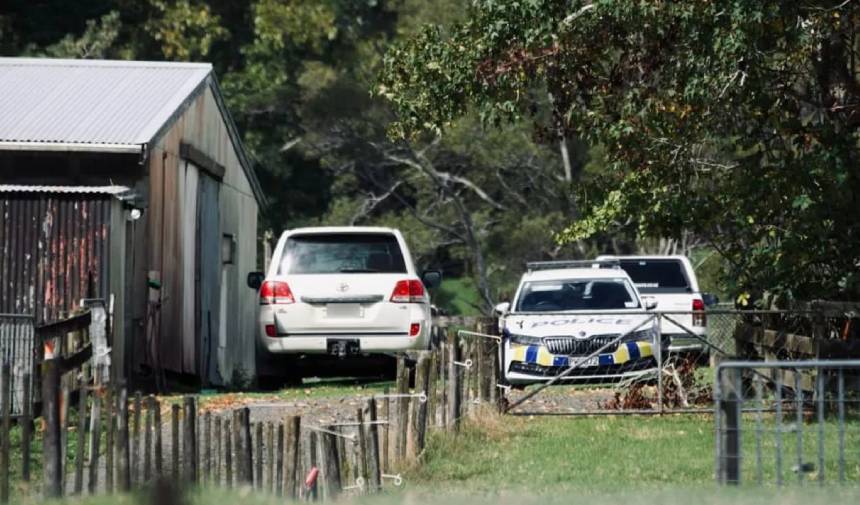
[(576, 294)]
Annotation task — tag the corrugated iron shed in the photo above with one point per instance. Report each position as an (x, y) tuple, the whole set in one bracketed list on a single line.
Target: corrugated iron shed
[(102, 105), (90, 101)]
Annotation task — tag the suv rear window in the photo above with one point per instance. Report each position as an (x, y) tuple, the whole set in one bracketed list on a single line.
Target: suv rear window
[(331, 253), (657, 276)]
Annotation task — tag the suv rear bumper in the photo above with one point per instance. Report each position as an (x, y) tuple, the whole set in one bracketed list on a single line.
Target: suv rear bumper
[(369, 344)]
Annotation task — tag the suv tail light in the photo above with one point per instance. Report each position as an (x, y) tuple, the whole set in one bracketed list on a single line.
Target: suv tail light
[(414, 329), (699, 306), (408, 291), (276, 293)]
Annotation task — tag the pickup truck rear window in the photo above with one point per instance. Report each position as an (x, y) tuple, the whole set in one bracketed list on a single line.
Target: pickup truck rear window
[(657, 276), (331, 253)]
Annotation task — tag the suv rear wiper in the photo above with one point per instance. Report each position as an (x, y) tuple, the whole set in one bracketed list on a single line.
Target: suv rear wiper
[(357, 270)]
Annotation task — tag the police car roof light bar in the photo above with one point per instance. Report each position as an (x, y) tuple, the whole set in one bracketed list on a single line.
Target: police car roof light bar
[(559, 265)]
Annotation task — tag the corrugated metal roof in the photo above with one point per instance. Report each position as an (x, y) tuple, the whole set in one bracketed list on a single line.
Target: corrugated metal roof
[(23, 188), (92, 101)]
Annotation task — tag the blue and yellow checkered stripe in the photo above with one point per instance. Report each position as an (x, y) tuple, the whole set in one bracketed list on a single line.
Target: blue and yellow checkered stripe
[(539, 355)]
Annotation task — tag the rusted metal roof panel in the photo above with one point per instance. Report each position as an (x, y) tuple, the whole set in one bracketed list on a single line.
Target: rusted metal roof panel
[(53, 252), (98, 102)]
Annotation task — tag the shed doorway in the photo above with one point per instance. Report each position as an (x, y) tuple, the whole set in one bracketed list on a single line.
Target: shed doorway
[(210, 254)]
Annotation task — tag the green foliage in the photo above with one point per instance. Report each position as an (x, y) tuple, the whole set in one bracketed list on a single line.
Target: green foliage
[(732, 118), (185, 29), (458, 297), (299, 78), (98, 38)]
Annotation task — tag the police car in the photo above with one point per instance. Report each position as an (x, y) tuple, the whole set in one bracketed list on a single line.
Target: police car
[(587, 313)]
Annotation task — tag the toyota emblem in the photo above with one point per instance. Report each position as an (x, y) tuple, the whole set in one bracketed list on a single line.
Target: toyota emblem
[(343, 287)]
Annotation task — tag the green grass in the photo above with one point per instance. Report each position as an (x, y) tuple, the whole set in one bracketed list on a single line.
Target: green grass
[(599, 455), (564, 455)]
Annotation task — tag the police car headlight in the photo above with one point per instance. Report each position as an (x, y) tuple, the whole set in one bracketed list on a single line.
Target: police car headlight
[(640, 335), (524, 339)]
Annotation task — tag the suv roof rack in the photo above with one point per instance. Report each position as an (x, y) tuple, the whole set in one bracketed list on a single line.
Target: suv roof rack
[(558, 265)]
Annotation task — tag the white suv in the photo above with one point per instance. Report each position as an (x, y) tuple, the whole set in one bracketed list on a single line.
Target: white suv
[(343, 291)]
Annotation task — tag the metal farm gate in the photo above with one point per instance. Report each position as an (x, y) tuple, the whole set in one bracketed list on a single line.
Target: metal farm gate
[(674, 370)]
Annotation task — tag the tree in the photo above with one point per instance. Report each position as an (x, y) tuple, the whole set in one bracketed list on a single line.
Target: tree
[(734, 119)]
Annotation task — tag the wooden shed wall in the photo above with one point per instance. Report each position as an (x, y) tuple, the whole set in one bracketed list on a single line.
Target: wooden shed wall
[(171, 245)]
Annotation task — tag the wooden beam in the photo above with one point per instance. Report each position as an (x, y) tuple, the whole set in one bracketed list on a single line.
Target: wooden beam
[(202, 160)]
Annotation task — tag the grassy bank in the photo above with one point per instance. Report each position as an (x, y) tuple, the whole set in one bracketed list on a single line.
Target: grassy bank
[(562, 454), (599, 455)]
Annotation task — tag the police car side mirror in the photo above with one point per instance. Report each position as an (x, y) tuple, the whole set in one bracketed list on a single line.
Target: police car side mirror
[(650, 303), (502, 308)]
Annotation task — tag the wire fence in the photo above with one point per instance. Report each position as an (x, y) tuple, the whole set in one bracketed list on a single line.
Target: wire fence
[(788, 422)]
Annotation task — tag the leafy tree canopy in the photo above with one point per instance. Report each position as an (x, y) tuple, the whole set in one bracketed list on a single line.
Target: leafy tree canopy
[(736, 119)]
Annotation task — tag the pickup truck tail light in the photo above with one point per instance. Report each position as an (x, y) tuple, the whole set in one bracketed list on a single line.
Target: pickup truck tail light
[(408, 291), (276, 293), (699, 318)]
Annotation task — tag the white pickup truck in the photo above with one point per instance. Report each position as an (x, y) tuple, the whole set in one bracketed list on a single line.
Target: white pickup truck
[(671, 281)]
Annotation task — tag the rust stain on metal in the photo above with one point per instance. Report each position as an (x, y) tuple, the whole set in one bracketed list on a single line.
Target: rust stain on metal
[(53, 252)]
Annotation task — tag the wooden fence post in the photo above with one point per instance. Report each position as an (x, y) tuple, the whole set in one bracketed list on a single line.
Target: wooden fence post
[(258, 455), (216, 477), (247, 457), (454, 389), (330, 464), (270, 458), (26, 429), (95, 440), (207, 447), (6, 406), (419, 408), (52, 465), (174, 440), (292, 434), (238, 464), (374, 469), (124, 476), (189, 442), (432, 399), (386, 430), (278, 485), (309, 459), (81, 439), (135, 439), (228, 453), (147, 440), (362, 469), (157, 452), (402, 409), (110, 419)]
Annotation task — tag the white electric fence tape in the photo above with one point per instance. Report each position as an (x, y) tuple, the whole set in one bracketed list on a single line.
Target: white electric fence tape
[(465, 364), (422, 396), (466, 333), (351, 438), (398, 480)]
